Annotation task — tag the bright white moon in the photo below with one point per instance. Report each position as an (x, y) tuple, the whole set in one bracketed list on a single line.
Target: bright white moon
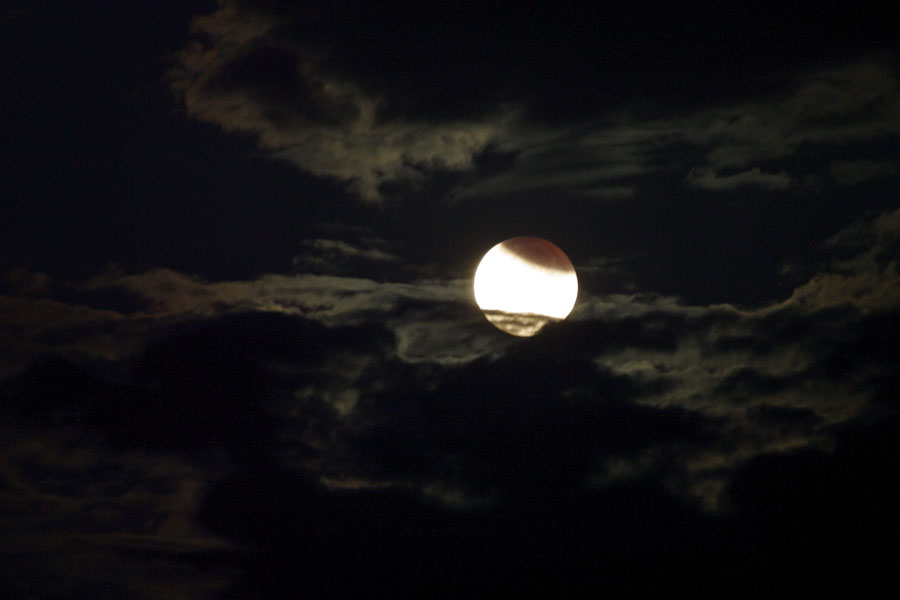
[(524, 283)]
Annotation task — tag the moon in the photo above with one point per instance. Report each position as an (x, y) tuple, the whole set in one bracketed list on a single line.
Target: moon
[(523, 283)]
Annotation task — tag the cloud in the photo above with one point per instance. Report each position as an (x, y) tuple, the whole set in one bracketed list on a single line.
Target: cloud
[(709, 180), (364, 369), (22, 281), (75, 515), (853, 103), (753, 143), (862, 270), (868, 291), (323, 90), (245, 74), (433, 320), (600, 160), (337, 257), (343, 249), (36, 326), (853, 172), (403, 424)]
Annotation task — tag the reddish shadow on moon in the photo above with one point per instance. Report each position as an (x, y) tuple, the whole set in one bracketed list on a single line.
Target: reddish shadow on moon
[(539, 252), (523, 283)]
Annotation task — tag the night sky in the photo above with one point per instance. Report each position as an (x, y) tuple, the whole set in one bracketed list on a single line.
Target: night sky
[(240, 355)]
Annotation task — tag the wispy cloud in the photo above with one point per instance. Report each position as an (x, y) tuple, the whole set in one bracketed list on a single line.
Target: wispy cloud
[(243, 73), (335, 257)]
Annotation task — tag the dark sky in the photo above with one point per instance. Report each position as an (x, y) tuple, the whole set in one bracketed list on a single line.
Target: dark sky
[(239, 351)]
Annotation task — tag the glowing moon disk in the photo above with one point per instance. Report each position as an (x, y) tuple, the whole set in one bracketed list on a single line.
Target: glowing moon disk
[(524, 283)]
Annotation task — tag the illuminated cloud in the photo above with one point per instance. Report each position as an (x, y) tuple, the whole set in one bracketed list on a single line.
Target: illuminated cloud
[(747, 144), (308, 98), (245, 75)]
